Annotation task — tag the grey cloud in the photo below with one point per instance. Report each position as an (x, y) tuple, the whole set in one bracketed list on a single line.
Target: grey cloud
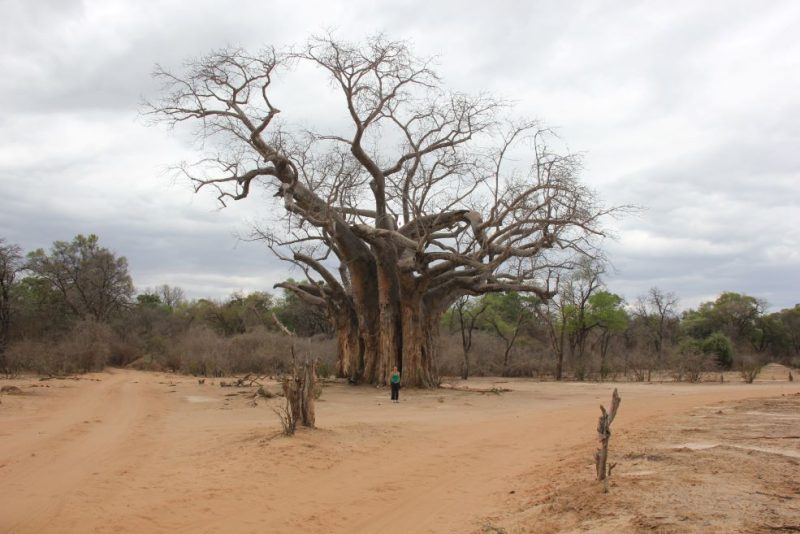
[(685, 108)]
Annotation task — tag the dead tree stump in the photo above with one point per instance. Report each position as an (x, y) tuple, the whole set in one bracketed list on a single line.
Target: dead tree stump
[(603, 435), (298, 388)]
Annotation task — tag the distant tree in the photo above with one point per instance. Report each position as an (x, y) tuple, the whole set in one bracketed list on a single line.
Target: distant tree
[(577, 292), (779, 332), (553, 314), (506, 314), (39, 310), (227, 317), (657, 312), (148, 299), (10, 265), (257, 309), (733, 314), (606, 314), (467, 312), (564, 316), (92, 281), (171, 296), (238, 314)]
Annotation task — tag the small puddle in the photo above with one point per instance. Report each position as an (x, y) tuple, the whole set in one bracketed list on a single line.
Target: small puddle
[(200, 398)]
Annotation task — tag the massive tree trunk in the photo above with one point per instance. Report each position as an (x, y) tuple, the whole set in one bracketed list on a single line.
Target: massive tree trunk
[(405, 329), (390, 324), (349, 346), (419, 344)]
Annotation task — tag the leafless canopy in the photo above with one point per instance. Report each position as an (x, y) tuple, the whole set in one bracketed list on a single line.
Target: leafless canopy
[(439, 191)]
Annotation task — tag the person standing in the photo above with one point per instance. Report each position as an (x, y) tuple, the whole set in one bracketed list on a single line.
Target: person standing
[(395, 382)]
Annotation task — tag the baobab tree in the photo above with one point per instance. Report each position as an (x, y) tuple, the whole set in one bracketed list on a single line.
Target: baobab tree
[(422, 198)]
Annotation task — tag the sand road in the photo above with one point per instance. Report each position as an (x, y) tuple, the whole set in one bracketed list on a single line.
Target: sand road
[(125, 451)]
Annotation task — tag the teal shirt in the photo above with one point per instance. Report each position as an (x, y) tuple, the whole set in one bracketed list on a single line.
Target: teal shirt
[(395, 378)]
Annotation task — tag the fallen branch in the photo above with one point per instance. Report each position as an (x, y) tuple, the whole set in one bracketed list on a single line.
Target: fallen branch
[(249, 381), (494, 390)]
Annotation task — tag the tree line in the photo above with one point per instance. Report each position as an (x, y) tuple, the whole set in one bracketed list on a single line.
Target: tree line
[(422, 209), (588, 332), (75, 308)]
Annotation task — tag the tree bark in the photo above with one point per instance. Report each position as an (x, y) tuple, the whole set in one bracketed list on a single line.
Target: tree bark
[(349, 345), (603, 436), (299, 392), (389, 323), (395, 329), (419, 322)]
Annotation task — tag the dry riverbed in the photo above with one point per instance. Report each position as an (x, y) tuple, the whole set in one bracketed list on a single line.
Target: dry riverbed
[(127, 451)]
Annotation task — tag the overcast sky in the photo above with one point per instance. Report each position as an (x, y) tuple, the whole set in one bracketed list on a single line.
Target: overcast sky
[(689, 109)]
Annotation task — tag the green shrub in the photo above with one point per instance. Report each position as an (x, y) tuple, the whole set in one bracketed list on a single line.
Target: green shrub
[(719, 345)]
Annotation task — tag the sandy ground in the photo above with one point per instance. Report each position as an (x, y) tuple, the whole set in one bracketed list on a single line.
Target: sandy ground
[(127, 451)]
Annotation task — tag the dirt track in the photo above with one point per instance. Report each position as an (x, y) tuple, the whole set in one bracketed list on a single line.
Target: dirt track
[(125, 451)]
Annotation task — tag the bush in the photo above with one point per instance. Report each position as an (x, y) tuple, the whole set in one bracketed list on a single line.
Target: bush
[(28, 355), (721, 347), (324, 370), (201, 351), (123, 353), (86, 347), (749, 367), (690, 362), (198, 351), (146, 363)]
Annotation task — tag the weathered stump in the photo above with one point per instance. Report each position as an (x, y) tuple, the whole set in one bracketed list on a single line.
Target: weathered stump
[(603, 436), (298, 388)]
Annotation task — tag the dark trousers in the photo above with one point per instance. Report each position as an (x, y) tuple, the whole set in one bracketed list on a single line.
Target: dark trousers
[(395, 391)]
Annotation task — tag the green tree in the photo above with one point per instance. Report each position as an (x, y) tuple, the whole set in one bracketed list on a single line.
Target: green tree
[(506, 314), (39, 310), (10, 265), (92, 281), (606, 313), (585, 282), (779, 334), (467, 312), (733, 314), (238, 314)]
